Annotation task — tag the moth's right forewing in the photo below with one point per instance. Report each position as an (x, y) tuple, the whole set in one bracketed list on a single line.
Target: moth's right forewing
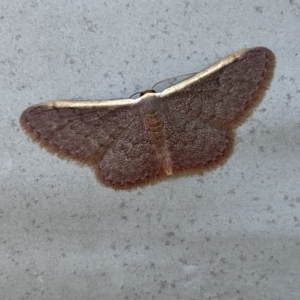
[(226, 92)]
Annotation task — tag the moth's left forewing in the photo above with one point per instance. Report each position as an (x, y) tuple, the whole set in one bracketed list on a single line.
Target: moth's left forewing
[(106, 104), (79, 130)]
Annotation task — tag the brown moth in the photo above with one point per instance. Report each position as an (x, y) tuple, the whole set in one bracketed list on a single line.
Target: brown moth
[(188, 126)]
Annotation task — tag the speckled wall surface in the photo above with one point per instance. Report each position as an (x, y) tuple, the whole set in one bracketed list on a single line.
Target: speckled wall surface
[(232, 233)]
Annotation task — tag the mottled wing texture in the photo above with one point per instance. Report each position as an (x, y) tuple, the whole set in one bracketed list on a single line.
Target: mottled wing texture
[(73, 131), (194, 144), (112, 140), (131, 160), (226, 92)]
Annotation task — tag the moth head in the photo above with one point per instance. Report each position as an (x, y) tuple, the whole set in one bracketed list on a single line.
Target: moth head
[(142, 93)]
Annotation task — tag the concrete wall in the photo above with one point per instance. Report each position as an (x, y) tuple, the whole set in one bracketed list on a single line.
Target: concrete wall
[(232, 233)]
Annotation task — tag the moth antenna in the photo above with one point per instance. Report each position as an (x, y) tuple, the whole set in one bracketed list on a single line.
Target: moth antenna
[(175, 79)]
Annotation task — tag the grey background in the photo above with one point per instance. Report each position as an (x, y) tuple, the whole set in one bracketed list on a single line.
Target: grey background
[(232, 233)]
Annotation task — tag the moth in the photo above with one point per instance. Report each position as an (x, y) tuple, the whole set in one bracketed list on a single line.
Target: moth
[(189, 126)]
